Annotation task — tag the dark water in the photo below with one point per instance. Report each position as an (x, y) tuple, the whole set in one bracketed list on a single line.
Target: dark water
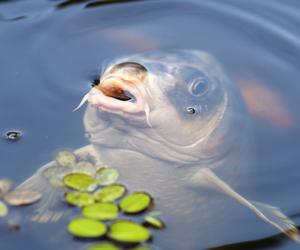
[(50, 52)]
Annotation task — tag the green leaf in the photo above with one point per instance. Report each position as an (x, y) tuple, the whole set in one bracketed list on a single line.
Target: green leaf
[(106, 176), (101, 211), (66, 159), (154, 222), (142, 248), (135, 202), (128, 231), (79, 198), (3, 209), (80, 182), (86, 228), (103, 246), (110, 193)]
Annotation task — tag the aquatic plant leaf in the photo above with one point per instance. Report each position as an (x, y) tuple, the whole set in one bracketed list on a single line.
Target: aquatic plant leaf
[(103, 246), (66, 159), (80, 182), (5, 186), (101, 211), (86, 228), (84, 164), (110, 193), (106, 176), (154, 222), (135, 202), (142, 248), (3, 209), (128, 231), (56, 174), (20, 197), (79, 198)]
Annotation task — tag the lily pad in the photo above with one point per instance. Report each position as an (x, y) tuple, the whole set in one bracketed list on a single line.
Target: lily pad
[(84, 164), (106, 176), (142, 248), (79, 198), (86, 228), (5, 186), (66, 159), (103, 246), (3, 209), (128, 231), (20, 197), (80, 182), (101, 211), (135, 202), (110, 193), (154, 222)]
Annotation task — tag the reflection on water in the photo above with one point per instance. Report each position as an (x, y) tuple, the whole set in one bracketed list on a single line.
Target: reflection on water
[(49, 57)]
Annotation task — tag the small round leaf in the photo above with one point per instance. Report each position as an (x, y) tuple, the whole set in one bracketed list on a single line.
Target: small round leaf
[(135, 202), (66, 159), (154, 222), (128, 232), (110, 193), (103, 246), (79, 198), (80, 182), (106, 176), (101, 211), (86, 228), (3, 209)]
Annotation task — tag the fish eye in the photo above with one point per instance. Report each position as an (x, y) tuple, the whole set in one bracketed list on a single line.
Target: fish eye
[(191, 110), (199, 87)]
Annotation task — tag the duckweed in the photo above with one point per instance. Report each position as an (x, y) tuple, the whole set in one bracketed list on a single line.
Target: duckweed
[(86, 228), (103, 246), (106, 176), (79, 198), (80, 182), (66, 159), (100, 211), (128, 231), (110, 193), (3, 209), (135, 202)]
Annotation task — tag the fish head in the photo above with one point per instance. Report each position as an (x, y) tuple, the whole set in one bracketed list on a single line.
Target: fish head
[(168, 105)]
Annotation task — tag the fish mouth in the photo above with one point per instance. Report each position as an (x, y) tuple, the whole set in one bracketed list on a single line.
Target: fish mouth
[(115, 94)]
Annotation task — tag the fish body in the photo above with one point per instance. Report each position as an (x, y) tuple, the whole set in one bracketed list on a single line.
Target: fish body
[(175, 125)]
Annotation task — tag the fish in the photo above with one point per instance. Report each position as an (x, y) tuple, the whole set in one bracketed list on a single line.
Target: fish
[(174, 124)]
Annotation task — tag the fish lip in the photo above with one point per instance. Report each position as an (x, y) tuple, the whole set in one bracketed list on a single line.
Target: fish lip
[(100, 100)]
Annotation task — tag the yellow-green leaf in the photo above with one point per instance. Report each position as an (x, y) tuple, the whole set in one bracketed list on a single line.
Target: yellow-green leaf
[(86, 228), (100, 211), (135, 202), (80, 182), (110, 193)]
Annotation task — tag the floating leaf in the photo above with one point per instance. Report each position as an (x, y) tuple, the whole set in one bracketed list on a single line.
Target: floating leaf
[(142, 248), (5, 186), (80, 181), (103, 246), (110, 193), (3, 209), (154, 222), (84, 164), (101, 211), (21, 197), (106, 176), (86, 228), (79, 198), (55, 175), (66, 159), (128, 231), (135, 202)]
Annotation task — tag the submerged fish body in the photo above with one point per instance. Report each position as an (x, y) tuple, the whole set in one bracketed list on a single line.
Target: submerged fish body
[(174, 125)]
